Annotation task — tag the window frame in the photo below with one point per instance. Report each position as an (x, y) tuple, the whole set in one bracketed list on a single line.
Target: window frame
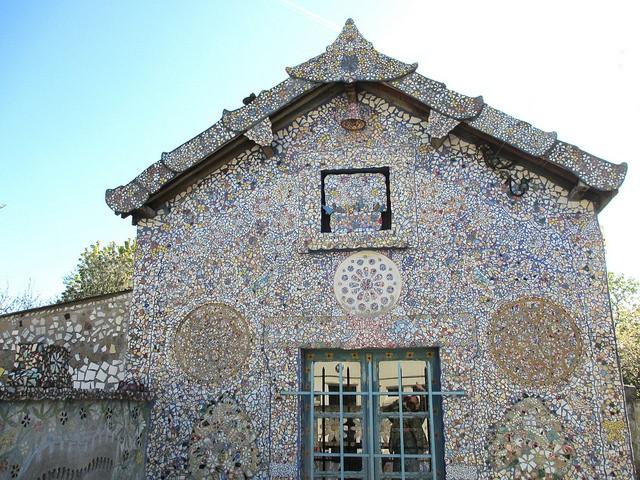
[(386, 216), (370, 413), (401, 162)]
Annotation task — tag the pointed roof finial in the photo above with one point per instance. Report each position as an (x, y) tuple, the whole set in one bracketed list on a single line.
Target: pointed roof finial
[(351, 58)]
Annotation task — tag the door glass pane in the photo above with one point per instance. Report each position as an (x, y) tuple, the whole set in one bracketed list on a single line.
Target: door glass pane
[(415, 434), (329, 443), (325, 379), (328, 430)]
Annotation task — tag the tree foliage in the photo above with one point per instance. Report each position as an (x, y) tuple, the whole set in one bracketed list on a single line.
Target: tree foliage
[(625, 306), (15, 303), (101, 270)]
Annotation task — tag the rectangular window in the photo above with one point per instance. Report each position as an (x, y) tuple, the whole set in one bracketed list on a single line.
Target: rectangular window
[(355, 200), (375, 414)]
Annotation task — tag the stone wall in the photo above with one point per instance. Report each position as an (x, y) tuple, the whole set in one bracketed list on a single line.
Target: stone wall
[(92, 331)]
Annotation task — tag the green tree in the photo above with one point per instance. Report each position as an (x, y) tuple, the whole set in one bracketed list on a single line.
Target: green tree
[(101, 270), (22, 301), (625, 306)]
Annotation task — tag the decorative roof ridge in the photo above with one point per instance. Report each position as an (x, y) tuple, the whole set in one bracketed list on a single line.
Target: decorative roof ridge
[(123, 200), (593, 171), (351, 58), (452, 106), (438, 97)]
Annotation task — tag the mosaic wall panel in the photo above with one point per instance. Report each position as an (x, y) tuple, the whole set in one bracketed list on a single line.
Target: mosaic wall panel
[(248, 236), (93, 332), (530, 444), (72, 439)]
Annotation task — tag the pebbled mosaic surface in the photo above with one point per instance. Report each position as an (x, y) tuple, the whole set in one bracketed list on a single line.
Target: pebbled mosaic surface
[(351, 58), (249, 236), (535, 342)]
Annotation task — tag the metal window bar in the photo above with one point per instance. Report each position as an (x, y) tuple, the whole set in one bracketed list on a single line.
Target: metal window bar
[(370, 453), (401, 421), (324, 420), (341, 428)]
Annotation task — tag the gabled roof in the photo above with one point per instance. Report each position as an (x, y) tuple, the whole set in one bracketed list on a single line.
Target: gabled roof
[(352, 59)]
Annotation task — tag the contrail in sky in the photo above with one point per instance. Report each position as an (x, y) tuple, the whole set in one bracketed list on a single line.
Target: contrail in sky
[(314, 17)]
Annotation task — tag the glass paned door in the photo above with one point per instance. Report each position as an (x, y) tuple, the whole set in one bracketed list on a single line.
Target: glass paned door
[(372, 414)]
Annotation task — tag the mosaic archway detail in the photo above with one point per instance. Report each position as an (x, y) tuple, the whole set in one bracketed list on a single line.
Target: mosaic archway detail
[(530, 444), (223, 443), (535, 342), (212, 343), (367, 284)]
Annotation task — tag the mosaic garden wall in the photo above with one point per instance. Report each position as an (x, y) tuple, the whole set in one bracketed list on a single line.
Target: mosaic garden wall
[(72, 438), (65, 411), (89, 336), (234, 277)]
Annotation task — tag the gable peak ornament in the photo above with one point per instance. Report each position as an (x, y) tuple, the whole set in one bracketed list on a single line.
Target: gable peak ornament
[(351, 58)]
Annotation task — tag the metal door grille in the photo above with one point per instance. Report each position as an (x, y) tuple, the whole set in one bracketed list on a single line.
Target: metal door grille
[(370, 415)]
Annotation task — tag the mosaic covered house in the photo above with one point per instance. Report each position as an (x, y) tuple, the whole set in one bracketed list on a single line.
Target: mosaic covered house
[(363, 274)]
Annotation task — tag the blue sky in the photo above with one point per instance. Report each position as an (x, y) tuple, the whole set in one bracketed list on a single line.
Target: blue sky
[(91, 93)]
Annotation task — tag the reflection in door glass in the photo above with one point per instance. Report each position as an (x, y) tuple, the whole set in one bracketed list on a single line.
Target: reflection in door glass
[(329, 432), (413, 437)]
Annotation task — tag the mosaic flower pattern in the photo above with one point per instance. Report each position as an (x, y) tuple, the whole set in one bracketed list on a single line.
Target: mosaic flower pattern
[(367, 284), (530, 444), (40, 366), (203, 340), (223, 443), (73, 438), (535, 342)]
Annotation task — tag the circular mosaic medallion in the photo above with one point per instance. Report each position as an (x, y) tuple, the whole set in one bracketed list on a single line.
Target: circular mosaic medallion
[(367, 284), (535, 342), (530, 444), (223, 443), (212, 343)]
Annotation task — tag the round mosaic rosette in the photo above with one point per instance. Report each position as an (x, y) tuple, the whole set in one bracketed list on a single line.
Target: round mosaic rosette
[(212, 343), (367, 284), (223, 443), (535, 342), (530, 444)]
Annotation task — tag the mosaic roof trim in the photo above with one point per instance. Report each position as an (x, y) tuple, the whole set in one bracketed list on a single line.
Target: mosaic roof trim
[(349, 59), (250, 119), (437, 96)]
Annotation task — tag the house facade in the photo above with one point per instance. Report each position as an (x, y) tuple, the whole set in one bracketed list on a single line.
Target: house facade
[(363, 274)]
